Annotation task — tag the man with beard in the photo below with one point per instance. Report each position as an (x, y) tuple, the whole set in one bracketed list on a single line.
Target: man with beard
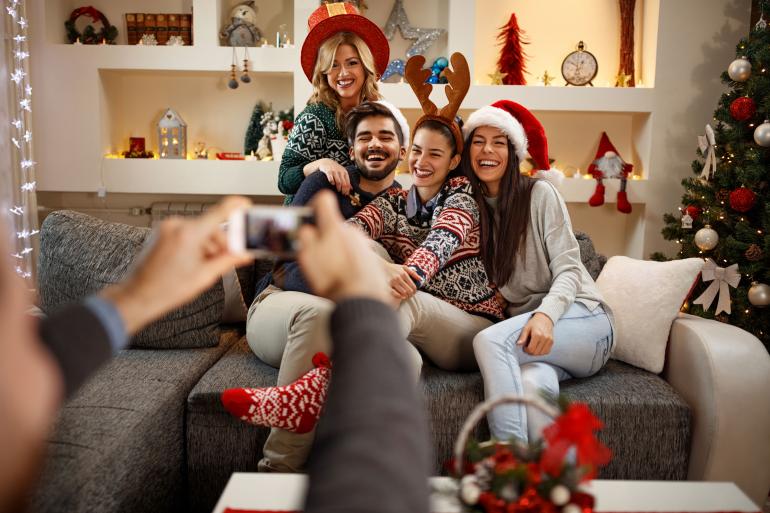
[(287, 325)]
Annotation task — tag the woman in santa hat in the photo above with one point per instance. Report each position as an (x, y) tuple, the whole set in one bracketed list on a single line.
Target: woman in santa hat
[(343, 56), (558, 325)]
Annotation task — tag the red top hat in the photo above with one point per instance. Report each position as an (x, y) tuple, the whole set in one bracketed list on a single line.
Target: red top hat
[(329, 19)]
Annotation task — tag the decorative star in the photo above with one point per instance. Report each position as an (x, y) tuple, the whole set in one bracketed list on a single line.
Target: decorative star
[(17, 123), (30, 186), (11, 11), (28, 90), (17, 211), (22, 23), (423, 37), (395, 67), (355, 199), (15, 142), (18, 75), (26, 104), (622, 79), (26, 251), (497, 77), (27, 136), (27, 164), (547, 79), (21, 55), (20, 38)]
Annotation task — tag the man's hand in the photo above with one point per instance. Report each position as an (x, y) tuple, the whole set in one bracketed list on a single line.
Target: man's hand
[(336, 174), (336, 259), (400, 280), (188, 256), (537, 335)]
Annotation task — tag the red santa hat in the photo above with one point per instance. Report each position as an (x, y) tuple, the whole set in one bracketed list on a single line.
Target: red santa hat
[(608, 162), (524, 131)]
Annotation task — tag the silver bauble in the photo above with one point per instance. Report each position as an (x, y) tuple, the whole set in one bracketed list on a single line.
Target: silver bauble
[(759, 294), (739, 70), (762, 134), (706, 238)]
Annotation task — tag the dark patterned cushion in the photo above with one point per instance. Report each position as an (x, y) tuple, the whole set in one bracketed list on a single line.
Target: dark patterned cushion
[(80, 255), (593, 261)]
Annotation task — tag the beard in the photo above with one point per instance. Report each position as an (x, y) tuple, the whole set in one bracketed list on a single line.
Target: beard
[(374, 175)]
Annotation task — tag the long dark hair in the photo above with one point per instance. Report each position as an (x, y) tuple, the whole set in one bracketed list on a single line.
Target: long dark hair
[(501, 243)]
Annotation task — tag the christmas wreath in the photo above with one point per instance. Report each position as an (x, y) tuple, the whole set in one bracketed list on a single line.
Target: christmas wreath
[(513, 477), (107, 33)]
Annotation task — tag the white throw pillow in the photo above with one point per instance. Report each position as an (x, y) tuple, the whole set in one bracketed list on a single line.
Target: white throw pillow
[(645, 298)]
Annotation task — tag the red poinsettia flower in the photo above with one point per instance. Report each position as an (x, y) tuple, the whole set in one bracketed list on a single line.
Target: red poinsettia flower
[(504, 459), (574, 428)]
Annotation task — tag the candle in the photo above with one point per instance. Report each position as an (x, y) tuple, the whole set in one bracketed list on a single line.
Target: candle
[(252, 156), (277, 39), (77, 42)]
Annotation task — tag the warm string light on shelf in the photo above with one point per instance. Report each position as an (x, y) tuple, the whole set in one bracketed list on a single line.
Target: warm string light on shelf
[(21, 137)]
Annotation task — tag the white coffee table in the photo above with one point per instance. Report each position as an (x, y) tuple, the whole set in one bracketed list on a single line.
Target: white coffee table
[(286, 492)]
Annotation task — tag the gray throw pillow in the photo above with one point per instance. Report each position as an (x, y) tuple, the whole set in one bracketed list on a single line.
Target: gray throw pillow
[(80, 255)]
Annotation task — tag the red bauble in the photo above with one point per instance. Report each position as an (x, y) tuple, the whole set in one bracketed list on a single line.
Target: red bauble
[(742, 199), (743, 108), (693, 212)]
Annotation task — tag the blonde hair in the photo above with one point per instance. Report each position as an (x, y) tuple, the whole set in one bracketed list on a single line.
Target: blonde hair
[(322, 91)]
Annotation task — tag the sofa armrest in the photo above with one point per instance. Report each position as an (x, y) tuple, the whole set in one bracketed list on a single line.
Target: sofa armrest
[(723, 372)]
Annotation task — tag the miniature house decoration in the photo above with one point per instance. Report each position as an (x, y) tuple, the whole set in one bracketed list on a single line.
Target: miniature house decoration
[(172, 136)]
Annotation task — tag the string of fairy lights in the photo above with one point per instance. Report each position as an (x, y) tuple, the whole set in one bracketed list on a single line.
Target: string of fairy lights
[(23, 165)]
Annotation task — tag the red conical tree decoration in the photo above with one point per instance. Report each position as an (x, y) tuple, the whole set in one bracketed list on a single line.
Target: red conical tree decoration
[(511, 61)]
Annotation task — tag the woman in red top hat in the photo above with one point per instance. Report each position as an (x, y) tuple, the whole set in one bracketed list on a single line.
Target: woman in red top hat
[(343, 56), (558, 325)]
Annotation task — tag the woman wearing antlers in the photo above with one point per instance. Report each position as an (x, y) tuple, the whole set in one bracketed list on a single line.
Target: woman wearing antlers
[(431, 234)]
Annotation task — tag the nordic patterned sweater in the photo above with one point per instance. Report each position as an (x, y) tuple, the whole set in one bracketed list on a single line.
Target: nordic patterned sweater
[(444, 250), (315, 136)]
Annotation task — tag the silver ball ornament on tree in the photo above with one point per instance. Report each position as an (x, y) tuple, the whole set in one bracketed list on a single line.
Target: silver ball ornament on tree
[(759, 294), (762, 134), (706, 238), (739, 70)]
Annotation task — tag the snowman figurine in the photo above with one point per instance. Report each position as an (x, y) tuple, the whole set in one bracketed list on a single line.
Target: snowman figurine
[(242, 30)]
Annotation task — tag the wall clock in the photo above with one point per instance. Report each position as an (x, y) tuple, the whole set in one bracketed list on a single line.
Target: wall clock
[(579, 67)]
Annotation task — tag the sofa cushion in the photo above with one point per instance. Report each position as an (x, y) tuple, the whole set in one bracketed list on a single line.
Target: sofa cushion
[(647, 423), (593, 261), (80, 255), (217, 443), (645, 298), (119, 443)]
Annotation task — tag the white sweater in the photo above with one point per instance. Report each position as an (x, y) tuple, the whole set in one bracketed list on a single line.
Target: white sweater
[(553, 276)]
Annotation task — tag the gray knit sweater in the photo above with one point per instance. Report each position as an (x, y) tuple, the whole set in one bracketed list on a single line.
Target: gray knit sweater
[(553, 276)]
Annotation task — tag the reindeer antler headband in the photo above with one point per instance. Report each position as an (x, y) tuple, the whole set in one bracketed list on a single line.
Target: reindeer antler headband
[(459, 81)]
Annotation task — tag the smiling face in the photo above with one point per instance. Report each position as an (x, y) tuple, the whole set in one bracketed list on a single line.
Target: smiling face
[(346, 75), (376, 148), (430, 161), (489, 157)]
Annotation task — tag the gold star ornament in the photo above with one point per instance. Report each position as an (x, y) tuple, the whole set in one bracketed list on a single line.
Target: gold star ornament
[(497, 77), (547, 79), (622, 79)]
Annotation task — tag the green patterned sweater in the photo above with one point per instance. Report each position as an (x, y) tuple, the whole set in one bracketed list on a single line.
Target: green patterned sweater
[(315, 136)]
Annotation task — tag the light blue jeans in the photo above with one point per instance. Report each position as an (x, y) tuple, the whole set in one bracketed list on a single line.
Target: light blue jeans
[(582, 340)]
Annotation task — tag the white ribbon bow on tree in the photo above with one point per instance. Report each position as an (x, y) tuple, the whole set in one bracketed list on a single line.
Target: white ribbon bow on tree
[(721, 280), (707, 144)]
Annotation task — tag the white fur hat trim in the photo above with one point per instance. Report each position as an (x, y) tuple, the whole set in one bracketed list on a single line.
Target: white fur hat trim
[(498, 118), (402, 123)]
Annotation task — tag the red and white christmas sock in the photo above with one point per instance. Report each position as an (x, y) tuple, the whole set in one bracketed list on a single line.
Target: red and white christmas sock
[(295, 407)]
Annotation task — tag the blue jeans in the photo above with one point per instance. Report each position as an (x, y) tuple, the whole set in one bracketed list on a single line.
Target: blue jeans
[(582, 340)]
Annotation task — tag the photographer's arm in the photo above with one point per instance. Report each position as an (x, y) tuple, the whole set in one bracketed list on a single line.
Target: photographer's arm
[(371, 451)]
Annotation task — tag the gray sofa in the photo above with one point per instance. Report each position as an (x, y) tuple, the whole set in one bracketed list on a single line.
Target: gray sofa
[(148, 432)]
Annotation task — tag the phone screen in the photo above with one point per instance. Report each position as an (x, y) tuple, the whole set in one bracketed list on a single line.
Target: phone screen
[(272, 231)]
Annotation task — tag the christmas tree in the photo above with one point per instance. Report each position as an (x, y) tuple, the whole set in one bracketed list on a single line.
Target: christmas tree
[(725, 212)]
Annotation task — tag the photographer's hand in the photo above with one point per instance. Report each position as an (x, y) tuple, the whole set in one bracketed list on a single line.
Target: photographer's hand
[(336, 258)]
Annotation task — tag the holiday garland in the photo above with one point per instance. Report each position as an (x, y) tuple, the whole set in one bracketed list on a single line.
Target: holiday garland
[(728, 199)]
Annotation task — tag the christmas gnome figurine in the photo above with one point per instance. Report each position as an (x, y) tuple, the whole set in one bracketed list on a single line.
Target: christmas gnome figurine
[(609, 164)]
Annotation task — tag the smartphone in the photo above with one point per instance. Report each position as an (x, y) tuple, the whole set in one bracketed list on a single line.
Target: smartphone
[(267, 230)]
